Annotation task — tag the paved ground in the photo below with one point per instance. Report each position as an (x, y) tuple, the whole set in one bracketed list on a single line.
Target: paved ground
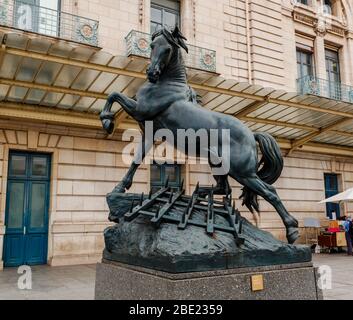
[(77, 282), (50, 283), (342, 275)]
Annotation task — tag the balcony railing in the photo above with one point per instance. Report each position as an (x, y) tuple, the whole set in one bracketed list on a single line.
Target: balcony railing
[(138, 44), (29, 17), (325, 88)]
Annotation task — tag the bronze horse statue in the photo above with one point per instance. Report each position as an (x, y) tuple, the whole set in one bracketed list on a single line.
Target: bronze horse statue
[(168, 101)]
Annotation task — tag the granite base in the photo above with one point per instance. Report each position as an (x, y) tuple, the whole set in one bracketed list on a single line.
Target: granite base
[(118, 281)]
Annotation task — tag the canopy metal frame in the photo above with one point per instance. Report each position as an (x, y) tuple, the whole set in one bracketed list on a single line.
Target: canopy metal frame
[(60, 82)]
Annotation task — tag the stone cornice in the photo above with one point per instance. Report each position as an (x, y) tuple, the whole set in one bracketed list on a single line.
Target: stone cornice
[(349, 34), (309, 18), (287, 11)]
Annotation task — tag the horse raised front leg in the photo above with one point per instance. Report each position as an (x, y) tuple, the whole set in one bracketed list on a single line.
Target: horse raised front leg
[(125, 184), (107, 117)]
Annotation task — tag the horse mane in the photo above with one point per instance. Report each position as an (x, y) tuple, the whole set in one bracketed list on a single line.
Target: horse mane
[(174, 37)]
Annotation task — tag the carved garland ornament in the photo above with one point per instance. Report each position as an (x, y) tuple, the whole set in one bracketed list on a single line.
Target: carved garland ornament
[(320, 24), (141, 7), (194, 17)]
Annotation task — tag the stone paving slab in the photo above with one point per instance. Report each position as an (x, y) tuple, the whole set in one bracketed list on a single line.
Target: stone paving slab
[(342, 268), (77, 282), (50, 283)]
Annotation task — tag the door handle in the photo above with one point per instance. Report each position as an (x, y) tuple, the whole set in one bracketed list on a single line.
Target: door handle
[(24, 230)]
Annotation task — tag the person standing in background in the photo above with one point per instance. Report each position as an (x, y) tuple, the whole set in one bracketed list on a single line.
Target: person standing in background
[(348, 232)]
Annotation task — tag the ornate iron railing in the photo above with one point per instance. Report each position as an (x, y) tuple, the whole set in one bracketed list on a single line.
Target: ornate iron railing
[(138, 44), (325, 88), (29, 17)]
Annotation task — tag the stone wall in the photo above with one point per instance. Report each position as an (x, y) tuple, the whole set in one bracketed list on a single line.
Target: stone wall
[(258, 46), (85, 167), (301, 187), (254, 40)]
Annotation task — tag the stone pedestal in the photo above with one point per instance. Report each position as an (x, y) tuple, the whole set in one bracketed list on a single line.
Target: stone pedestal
[(146, 261), (118, 281)]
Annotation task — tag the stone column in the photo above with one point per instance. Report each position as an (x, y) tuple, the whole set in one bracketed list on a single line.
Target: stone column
[(347, 53), (319, 53), (337, 9), (188, 20), (2, 231), (3, 177), (289, 49)]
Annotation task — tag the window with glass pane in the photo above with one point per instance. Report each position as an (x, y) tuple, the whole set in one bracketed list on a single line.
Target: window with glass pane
[(38, 16), (304, 63), (303, 2), (37, 206), (49, 17), (16, 204), (17, 165), (164, 13), (333, 74), (39, 166), (331, 189), (156, 176), (327, 7), (159, 174)]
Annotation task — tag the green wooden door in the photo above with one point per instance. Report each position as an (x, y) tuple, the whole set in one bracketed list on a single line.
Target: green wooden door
[(27, 206)]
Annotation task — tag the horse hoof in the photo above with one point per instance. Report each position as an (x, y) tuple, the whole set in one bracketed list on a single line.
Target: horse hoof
[(292, 235), (108, 125)]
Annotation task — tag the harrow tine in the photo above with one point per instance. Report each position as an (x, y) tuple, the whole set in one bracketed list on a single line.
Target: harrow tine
[(183, 217), (181, 184), (240, 226), (160, 203), (157, 212), (132, 205), (210, 213), (166, 182), (166, 208), (170, 197), (237, 217), (187, 212), (136, 211)]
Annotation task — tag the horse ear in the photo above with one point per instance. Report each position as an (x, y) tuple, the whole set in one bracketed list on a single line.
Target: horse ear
[(183, 45), (176, 33)]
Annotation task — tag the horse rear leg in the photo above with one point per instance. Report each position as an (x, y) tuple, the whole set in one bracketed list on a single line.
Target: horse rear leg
[(269, 193), (222, 186)]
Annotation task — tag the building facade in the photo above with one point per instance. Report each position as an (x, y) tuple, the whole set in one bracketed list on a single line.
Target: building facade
[(284, 67)]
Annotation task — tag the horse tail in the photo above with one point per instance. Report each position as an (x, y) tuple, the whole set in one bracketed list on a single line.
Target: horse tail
[(272, 166)]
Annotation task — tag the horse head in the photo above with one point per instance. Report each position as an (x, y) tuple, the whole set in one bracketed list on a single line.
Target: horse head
[(164, 44)]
